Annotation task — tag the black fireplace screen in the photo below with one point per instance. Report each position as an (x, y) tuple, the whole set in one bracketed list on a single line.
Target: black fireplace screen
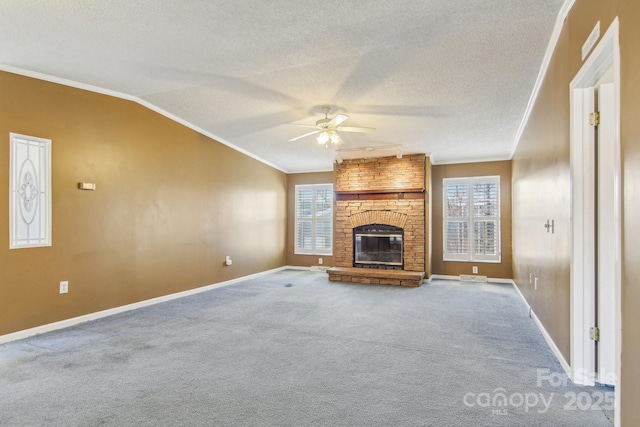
[(378, 245)]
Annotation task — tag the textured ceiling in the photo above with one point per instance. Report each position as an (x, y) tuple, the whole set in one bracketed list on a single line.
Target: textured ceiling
[(451, 78)]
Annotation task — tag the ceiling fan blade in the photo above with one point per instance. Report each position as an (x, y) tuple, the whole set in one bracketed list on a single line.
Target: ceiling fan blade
[(304, 126), (302, 136), (355, 129), (335, 122)]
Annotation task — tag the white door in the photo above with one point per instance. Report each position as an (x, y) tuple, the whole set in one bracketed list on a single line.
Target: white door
[(607, 198)]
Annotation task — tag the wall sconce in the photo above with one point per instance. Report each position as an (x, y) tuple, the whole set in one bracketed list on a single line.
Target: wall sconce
[(399, 154), (339, 159), (86, 186)]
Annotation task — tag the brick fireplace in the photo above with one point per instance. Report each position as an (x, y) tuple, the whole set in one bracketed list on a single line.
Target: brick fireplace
[(386, 191)]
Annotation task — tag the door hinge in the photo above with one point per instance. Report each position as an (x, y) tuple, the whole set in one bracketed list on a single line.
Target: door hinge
[(594, 333), (594, 118)]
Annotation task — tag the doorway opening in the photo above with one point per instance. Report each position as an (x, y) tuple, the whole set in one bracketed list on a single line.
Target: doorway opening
[(596, 217)]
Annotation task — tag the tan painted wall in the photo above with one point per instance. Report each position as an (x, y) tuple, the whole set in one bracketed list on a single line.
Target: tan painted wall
[(292, 181), (629, 12), (500, 270), (541, 189), (170, 204)]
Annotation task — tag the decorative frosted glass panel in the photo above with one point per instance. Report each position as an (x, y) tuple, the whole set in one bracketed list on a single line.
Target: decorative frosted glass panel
[(30, 195)]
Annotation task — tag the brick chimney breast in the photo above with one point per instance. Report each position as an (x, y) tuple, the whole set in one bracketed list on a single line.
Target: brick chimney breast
[(387, 191)]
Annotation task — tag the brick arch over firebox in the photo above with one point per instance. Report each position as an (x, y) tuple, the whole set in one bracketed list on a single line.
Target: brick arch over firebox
[(386, 217)]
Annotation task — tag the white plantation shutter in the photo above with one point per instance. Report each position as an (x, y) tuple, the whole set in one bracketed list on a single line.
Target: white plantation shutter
[(471, 219), (486, 221), (324, 219), (457, 220), (304, 216), (458, 239), (314, 219)]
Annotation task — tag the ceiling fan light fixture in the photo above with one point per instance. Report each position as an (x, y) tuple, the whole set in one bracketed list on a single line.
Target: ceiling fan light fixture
[(327, 136), (323, 138), (327, 129), (335, 138)]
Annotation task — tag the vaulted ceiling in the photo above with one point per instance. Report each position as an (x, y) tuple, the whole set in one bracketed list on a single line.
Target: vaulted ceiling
[(450, 78)]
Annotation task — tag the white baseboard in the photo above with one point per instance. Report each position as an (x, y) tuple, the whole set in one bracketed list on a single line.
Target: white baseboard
[(457, 278), (545, 334), (298, 267), (505, 281), (110, 312), (473, 278), (443, 277)]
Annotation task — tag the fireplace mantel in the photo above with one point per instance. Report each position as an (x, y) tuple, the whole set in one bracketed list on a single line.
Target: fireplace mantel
[(381, 194), (382, 191)]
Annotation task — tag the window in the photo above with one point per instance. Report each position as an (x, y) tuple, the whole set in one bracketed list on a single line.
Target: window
[(30, 191), (471, 219), (314, 219)]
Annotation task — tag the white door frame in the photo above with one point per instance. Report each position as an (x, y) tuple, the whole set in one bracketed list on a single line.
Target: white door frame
[(605, 55), (608, 203)]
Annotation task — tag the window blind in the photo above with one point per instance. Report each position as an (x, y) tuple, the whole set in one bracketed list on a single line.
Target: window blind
[(314, 219), (471, 219)]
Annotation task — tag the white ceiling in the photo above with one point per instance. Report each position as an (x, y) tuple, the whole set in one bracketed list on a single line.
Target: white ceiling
[(451, 78)]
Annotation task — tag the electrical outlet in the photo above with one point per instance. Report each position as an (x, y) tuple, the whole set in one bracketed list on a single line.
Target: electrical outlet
[(64, 287), (475, 269), (535, 284), (320, 261)]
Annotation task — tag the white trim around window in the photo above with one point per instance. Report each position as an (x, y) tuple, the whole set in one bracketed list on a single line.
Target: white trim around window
[(471, 219), (313, 219), (30, 191)]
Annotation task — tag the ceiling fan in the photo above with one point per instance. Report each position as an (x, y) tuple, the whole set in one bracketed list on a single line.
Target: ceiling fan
[(328, 128)]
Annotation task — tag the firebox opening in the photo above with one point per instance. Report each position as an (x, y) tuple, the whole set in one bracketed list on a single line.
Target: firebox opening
[(378, 246)]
